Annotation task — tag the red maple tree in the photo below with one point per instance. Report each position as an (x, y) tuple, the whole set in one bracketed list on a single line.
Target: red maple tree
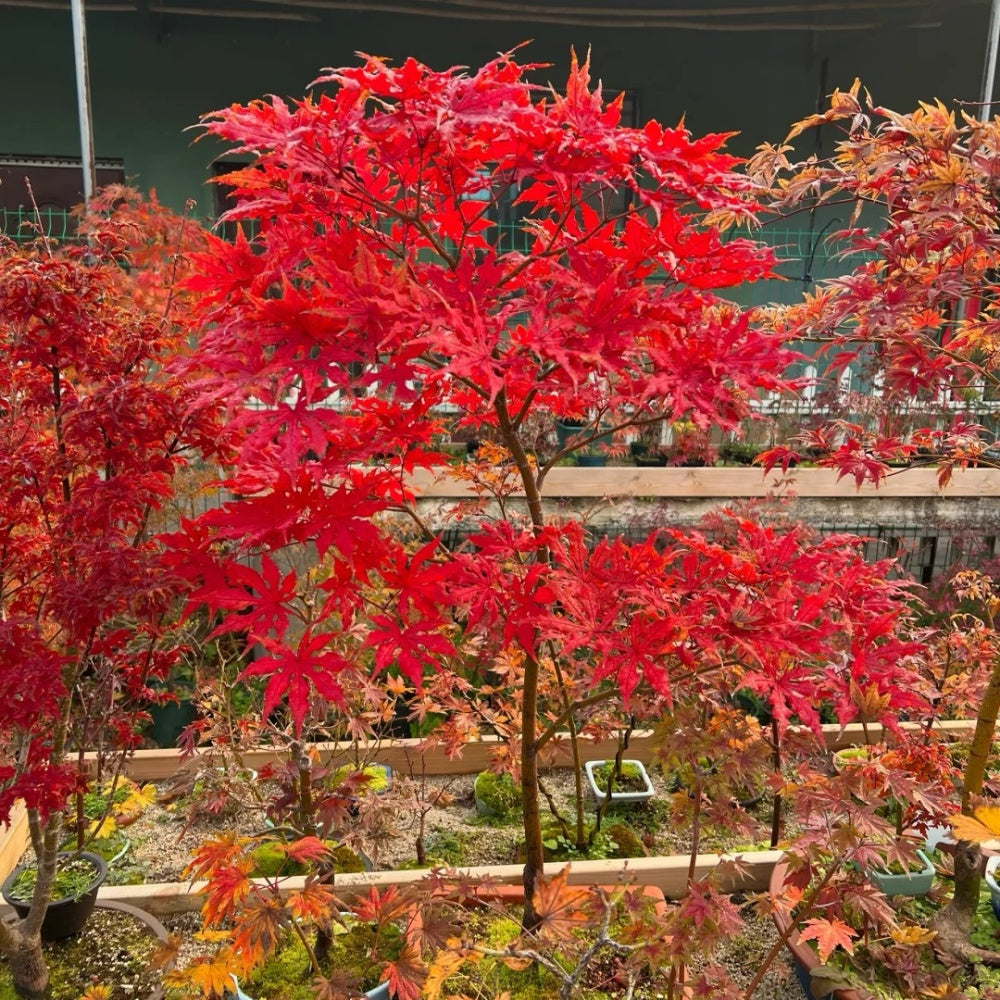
[(916, 314), (379, 294), (92, 429)]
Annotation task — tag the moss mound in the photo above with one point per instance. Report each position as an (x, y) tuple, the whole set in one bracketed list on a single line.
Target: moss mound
[(270, 861)]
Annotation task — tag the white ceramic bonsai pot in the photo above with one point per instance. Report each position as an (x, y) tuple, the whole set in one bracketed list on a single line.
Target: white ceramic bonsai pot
[(916, 882), (592, 766)]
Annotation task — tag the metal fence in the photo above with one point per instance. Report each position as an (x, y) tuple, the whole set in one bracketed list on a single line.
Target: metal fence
[(925, 554), (29, 223)]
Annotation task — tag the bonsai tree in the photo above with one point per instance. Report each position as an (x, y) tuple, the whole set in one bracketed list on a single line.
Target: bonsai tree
[(91, 430), (376, 295)]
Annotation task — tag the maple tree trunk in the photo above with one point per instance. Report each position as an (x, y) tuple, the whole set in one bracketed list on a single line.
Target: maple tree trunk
[(982, 740), (776, 806), (534, 851), (26, 962), (954, 921)]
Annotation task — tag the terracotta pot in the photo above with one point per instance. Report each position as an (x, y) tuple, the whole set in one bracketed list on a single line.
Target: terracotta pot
[(804, 957)]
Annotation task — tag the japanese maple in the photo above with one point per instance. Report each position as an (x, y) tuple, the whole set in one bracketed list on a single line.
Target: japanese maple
[(379, 294), (916, 310), (91, 430)]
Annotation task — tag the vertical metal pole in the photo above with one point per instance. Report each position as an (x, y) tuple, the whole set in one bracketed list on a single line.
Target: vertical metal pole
[(83, 100), (990, 66)]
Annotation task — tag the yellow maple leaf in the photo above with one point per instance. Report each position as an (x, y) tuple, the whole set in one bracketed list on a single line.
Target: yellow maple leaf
[(912, 934), (135, 803), (211, 975), (212, 935), (983, 824), (100, 830), (445, 964)]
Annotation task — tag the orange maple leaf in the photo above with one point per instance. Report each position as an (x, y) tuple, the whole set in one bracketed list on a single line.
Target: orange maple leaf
[(226, 891), (559, 906), (214, 853), (305, 849), (406, 975), (260, 929), (829, 935), (313, 903)]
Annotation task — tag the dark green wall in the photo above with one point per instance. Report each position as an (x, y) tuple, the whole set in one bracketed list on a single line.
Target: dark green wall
[(147, 89)]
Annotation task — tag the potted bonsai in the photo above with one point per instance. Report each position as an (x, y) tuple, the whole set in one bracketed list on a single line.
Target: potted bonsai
[(619, 781)]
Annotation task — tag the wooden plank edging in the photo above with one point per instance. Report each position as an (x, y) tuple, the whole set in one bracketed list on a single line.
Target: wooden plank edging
[(152, 765), (725, 482), (668, 873), (406, 754)]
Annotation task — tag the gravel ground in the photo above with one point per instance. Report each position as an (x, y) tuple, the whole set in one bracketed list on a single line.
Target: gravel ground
[(742, 955), (453, 833)]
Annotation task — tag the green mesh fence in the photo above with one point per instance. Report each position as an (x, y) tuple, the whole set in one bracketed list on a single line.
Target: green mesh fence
[(27, 224), (789, 244)]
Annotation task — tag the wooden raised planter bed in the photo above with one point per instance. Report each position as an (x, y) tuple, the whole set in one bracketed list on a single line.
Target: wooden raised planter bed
[(667, 873)]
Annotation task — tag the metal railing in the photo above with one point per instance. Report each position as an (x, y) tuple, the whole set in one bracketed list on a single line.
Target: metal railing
[(29, 223)]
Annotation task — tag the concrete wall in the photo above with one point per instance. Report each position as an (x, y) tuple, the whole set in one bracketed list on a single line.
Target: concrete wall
[(151, 79)]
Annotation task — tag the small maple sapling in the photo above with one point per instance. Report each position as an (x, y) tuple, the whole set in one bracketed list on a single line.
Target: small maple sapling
[(377, 294), (91, 430)]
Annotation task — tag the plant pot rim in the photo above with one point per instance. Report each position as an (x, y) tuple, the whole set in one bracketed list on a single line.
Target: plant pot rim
[(643, 796), (151, 924), (100, 874), (992, 863), (801, 952)]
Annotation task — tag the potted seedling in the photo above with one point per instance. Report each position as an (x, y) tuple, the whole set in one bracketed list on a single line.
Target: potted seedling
[(619, 781), (73, 894)]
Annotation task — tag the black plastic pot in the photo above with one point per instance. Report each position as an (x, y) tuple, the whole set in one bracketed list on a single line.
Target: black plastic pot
[(169, 720), (63, 917)]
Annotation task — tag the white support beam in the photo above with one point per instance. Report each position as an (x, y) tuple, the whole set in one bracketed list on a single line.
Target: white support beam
[(83, 100)]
